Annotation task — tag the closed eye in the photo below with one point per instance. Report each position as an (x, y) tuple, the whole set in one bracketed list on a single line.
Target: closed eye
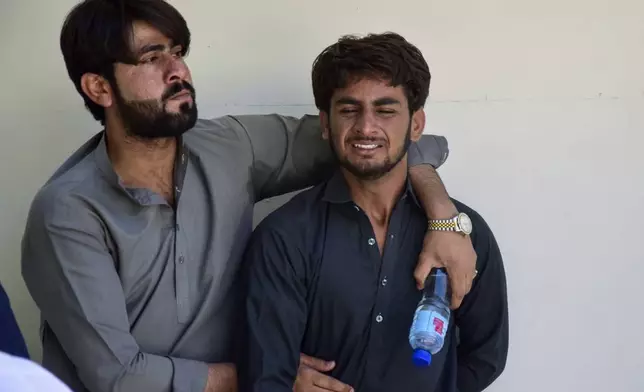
[(386, 112), (177, 52)]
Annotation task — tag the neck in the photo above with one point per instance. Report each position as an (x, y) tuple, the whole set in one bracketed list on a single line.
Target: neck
[(142, 163), (378, 197)]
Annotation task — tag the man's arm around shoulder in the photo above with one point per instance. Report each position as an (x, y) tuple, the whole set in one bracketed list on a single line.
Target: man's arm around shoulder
[(290, 154)]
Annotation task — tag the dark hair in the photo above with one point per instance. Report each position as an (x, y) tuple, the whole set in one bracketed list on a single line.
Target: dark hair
[(98, 33), (386, 56)]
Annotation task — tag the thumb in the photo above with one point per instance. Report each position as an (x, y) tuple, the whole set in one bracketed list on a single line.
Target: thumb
[(316, 363), (426, 262)]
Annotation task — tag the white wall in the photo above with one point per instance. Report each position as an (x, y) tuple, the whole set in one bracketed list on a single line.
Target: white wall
[(543, 105)]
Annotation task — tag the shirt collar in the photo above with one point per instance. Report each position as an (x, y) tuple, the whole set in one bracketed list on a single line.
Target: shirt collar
[(103, 162), (142, 196), (337, 190)]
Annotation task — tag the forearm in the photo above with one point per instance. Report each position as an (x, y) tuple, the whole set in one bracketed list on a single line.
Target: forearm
[(431, 192), (222, 377), (290, 154)]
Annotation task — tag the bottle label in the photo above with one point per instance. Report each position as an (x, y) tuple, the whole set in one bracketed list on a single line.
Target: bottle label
[(428, 320)]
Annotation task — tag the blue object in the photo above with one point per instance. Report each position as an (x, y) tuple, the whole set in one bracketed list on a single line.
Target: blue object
[(431, 320), (11, 339), (422, 358)]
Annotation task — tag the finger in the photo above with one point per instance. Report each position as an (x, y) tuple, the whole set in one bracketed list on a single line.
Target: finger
[(316, 363), (456, 301), (461, 284), (330, 383)]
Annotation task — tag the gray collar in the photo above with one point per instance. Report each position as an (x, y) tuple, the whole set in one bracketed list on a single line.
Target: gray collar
[(142, 196)]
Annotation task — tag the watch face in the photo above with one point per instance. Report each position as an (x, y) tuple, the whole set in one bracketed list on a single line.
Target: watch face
[(465, 223)]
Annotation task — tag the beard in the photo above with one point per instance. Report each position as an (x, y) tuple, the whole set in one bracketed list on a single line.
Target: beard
[(369, 171), (149, 119)]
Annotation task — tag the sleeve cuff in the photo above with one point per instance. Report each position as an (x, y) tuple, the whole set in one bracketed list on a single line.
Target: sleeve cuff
[(189, 375), (429, 150)]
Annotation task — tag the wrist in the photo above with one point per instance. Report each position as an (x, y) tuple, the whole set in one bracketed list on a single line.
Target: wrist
[(442, 210)]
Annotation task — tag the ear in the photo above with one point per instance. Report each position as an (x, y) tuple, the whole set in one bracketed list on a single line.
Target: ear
[(324, 124), (98, 89), (417, 124)]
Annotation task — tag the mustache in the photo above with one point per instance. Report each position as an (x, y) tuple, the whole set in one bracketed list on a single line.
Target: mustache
[(176, 88)]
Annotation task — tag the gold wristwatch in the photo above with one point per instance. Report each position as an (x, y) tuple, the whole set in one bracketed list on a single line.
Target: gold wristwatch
[(461, 223)]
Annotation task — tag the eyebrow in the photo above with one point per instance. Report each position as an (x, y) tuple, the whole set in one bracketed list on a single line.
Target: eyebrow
[(347, 101), (386, 101), (150, 48), (378, 102)]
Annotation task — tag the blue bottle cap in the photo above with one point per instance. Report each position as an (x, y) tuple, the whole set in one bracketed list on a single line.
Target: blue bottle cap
[(422, 357)]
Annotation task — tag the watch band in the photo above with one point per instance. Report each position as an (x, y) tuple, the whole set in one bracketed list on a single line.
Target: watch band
[(460, 223), (442, 224)]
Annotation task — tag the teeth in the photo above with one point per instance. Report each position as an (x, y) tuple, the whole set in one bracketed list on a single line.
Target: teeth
[(366, 146)]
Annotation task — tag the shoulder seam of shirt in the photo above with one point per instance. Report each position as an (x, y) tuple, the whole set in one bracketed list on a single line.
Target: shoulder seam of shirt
[(60, 189), (250, 142), (285, 135)]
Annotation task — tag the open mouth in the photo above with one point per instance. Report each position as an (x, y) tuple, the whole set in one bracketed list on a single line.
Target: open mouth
[(366, 146)]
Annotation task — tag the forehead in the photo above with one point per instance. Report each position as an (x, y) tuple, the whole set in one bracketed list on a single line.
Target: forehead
[(144, 34), (369, 89)]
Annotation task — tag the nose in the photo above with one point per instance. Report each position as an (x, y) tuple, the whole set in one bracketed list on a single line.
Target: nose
[(176, 70), (366, 124)]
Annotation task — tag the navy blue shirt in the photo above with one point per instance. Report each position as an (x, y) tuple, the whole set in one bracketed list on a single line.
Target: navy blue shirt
[(11, 339), (317, 284)]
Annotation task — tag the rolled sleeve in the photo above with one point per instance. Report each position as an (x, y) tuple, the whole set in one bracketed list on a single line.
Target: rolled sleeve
[(73, 279), (189, 376), (429, 150)]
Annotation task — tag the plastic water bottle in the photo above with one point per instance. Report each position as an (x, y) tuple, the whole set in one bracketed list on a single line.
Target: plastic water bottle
[(431, 320)]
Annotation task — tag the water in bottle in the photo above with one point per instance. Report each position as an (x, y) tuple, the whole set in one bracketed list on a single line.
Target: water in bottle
[(431, 320)]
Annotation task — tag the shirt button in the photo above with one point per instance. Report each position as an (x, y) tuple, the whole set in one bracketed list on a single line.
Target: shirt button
[(178, 190), (384, 281), (180, 259), (391, 236), (371, 241), (356, 207), (379, 318)]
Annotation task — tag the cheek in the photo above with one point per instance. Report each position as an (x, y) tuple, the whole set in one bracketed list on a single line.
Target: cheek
[(144, 86), (339, 131), (188, 77), (397, 133)]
